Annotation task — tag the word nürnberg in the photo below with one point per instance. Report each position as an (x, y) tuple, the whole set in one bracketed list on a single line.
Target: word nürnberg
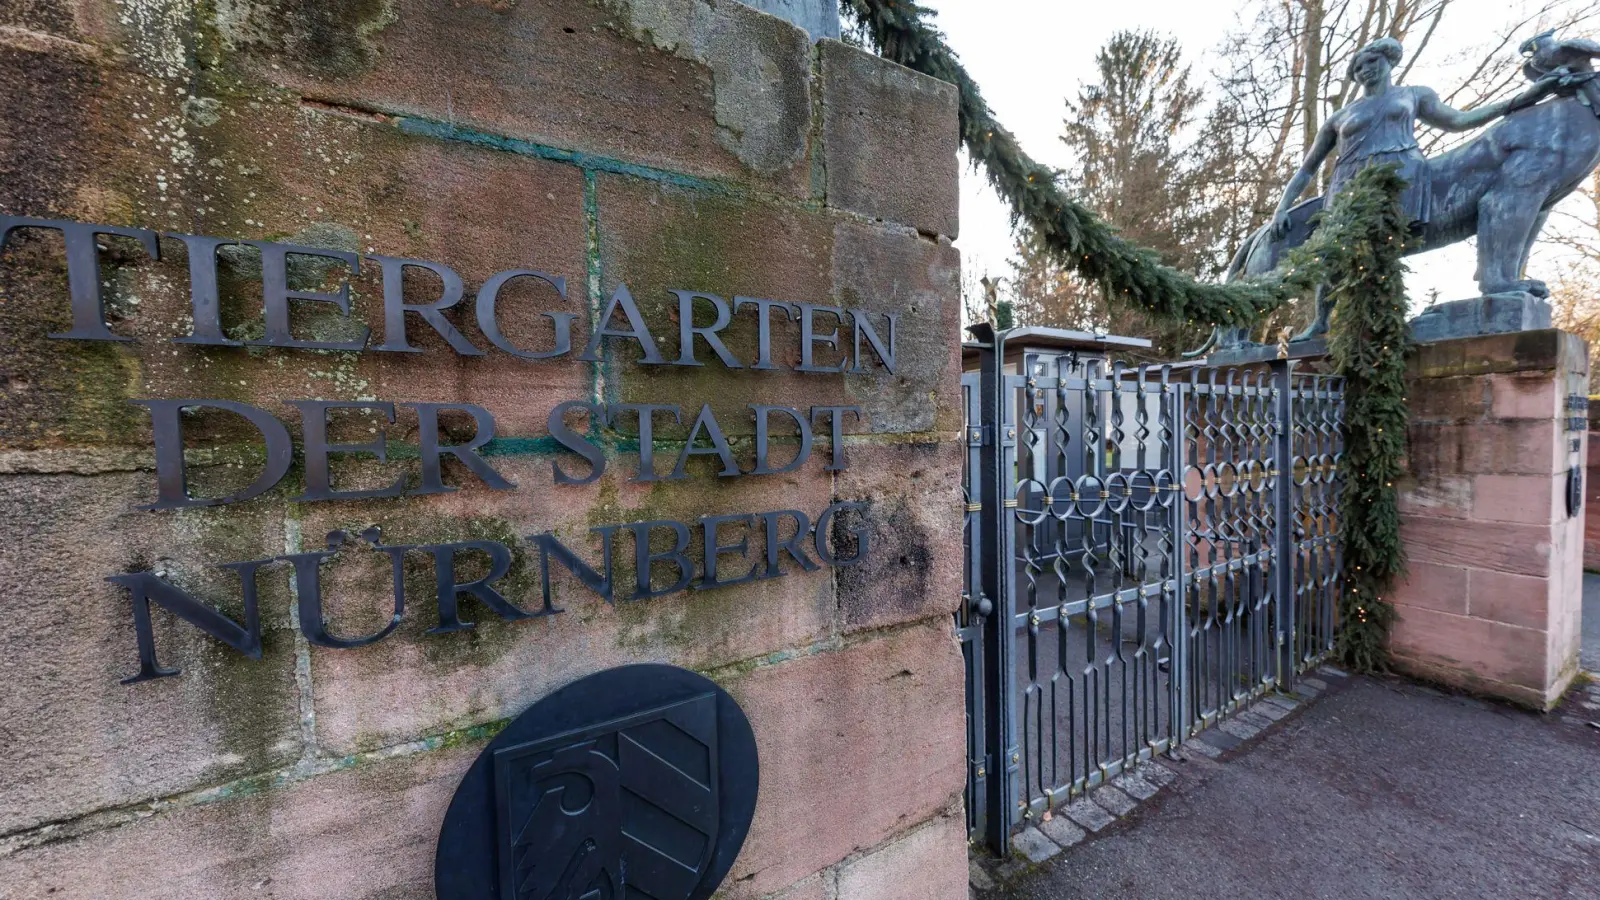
[(819, 337), (709, 571)]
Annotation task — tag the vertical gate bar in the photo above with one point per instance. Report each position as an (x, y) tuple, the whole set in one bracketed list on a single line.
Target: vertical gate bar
[(1177, 674), (1283, 524), (997, 675), (981, 760)]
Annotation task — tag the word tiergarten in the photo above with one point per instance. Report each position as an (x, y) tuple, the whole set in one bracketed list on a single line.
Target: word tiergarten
[(820, 324)]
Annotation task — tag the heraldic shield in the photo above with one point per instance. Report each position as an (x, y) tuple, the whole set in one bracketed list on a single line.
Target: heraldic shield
[(632, 805)]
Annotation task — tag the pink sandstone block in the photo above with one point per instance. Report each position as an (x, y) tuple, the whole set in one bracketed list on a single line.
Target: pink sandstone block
[(930, 862), (1477, 648), (1434, 494), (1518, 549), (1513, 447), (905, 575), (1432, 586), (889, 131), (717, 91), (1446, 400), (367, 833), (1435, 451), (817, 887), (1513, 599), (73, 739), (1525, 396), (856, 745), (1527, 499)]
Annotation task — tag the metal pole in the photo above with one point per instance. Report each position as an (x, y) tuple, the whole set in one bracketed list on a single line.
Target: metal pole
[(999, 783), (1177, 676), (1283, 555)]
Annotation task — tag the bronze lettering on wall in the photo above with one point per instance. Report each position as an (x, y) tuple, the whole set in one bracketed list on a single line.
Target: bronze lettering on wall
[(832, 340), (820, 324), (783, 554)]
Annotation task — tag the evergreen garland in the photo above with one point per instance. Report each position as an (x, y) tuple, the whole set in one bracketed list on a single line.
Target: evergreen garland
[(1081, 240), (1355, 252)]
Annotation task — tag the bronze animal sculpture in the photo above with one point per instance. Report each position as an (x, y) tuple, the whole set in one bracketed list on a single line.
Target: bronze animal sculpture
[(1498, 187)]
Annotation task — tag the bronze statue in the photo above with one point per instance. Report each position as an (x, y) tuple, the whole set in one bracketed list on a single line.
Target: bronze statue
[(1498, 186)]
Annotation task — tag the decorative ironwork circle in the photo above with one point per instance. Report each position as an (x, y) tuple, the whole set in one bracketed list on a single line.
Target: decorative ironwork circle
[(638, 781)]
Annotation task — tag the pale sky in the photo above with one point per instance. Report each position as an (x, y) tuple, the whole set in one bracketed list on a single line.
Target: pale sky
[(1029, 56)]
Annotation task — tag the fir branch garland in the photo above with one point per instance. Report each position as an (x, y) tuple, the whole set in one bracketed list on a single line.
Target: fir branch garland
[(1355, 252), (1080, 240)]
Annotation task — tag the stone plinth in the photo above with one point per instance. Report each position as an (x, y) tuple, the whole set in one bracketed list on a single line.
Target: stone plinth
[(1492, 599), (1490, 314)]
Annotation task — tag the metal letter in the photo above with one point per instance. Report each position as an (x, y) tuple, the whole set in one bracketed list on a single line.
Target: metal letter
[(204, 297), (646, 411), (489, 295), (276, 295), (761, 440), (172, 487), (862, 326), (644, 560), (314, 427), (802, 525), (719, 446), (636, 329), (836, 416), (577, 443), (83, 270), (824, 526), (430, 448), (444, 567), (687, 330), (713, 549), (764, 326), (395, 306), (809, 337), (145, 586), (549, 546), (308, 590)]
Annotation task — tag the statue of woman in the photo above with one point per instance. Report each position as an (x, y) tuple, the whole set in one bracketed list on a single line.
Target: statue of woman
[(1379, 128)]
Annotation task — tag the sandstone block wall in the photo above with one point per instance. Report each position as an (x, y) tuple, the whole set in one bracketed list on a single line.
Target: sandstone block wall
[(695, 144), (1494, 590)]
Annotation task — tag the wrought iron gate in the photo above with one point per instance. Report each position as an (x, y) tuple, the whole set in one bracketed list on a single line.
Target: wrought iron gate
[(1147, 549)]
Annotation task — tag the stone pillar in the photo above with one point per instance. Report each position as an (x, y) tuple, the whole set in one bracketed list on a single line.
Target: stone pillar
[(633, 143), (1492, 599)]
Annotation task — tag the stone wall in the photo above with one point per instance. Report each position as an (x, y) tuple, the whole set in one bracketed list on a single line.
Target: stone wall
[(1493, 594), (694, 144)]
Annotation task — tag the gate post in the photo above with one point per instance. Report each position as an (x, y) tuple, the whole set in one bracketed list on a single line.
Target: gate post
[(1178, 668), (1283, 541), (999, 785)]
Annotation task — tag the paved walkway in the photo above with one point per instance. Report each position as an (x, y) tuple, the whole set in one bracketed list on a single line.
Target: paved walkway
[(1380, 789)]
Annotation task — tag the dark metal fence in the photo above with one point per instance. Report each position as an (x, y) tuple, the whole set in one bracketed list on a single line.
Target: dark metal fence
[(1147, 548)]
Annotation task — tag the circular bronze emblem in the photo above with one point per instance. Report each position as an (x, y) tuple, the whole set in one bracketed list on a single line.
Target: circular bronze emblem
[(638, 781)]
